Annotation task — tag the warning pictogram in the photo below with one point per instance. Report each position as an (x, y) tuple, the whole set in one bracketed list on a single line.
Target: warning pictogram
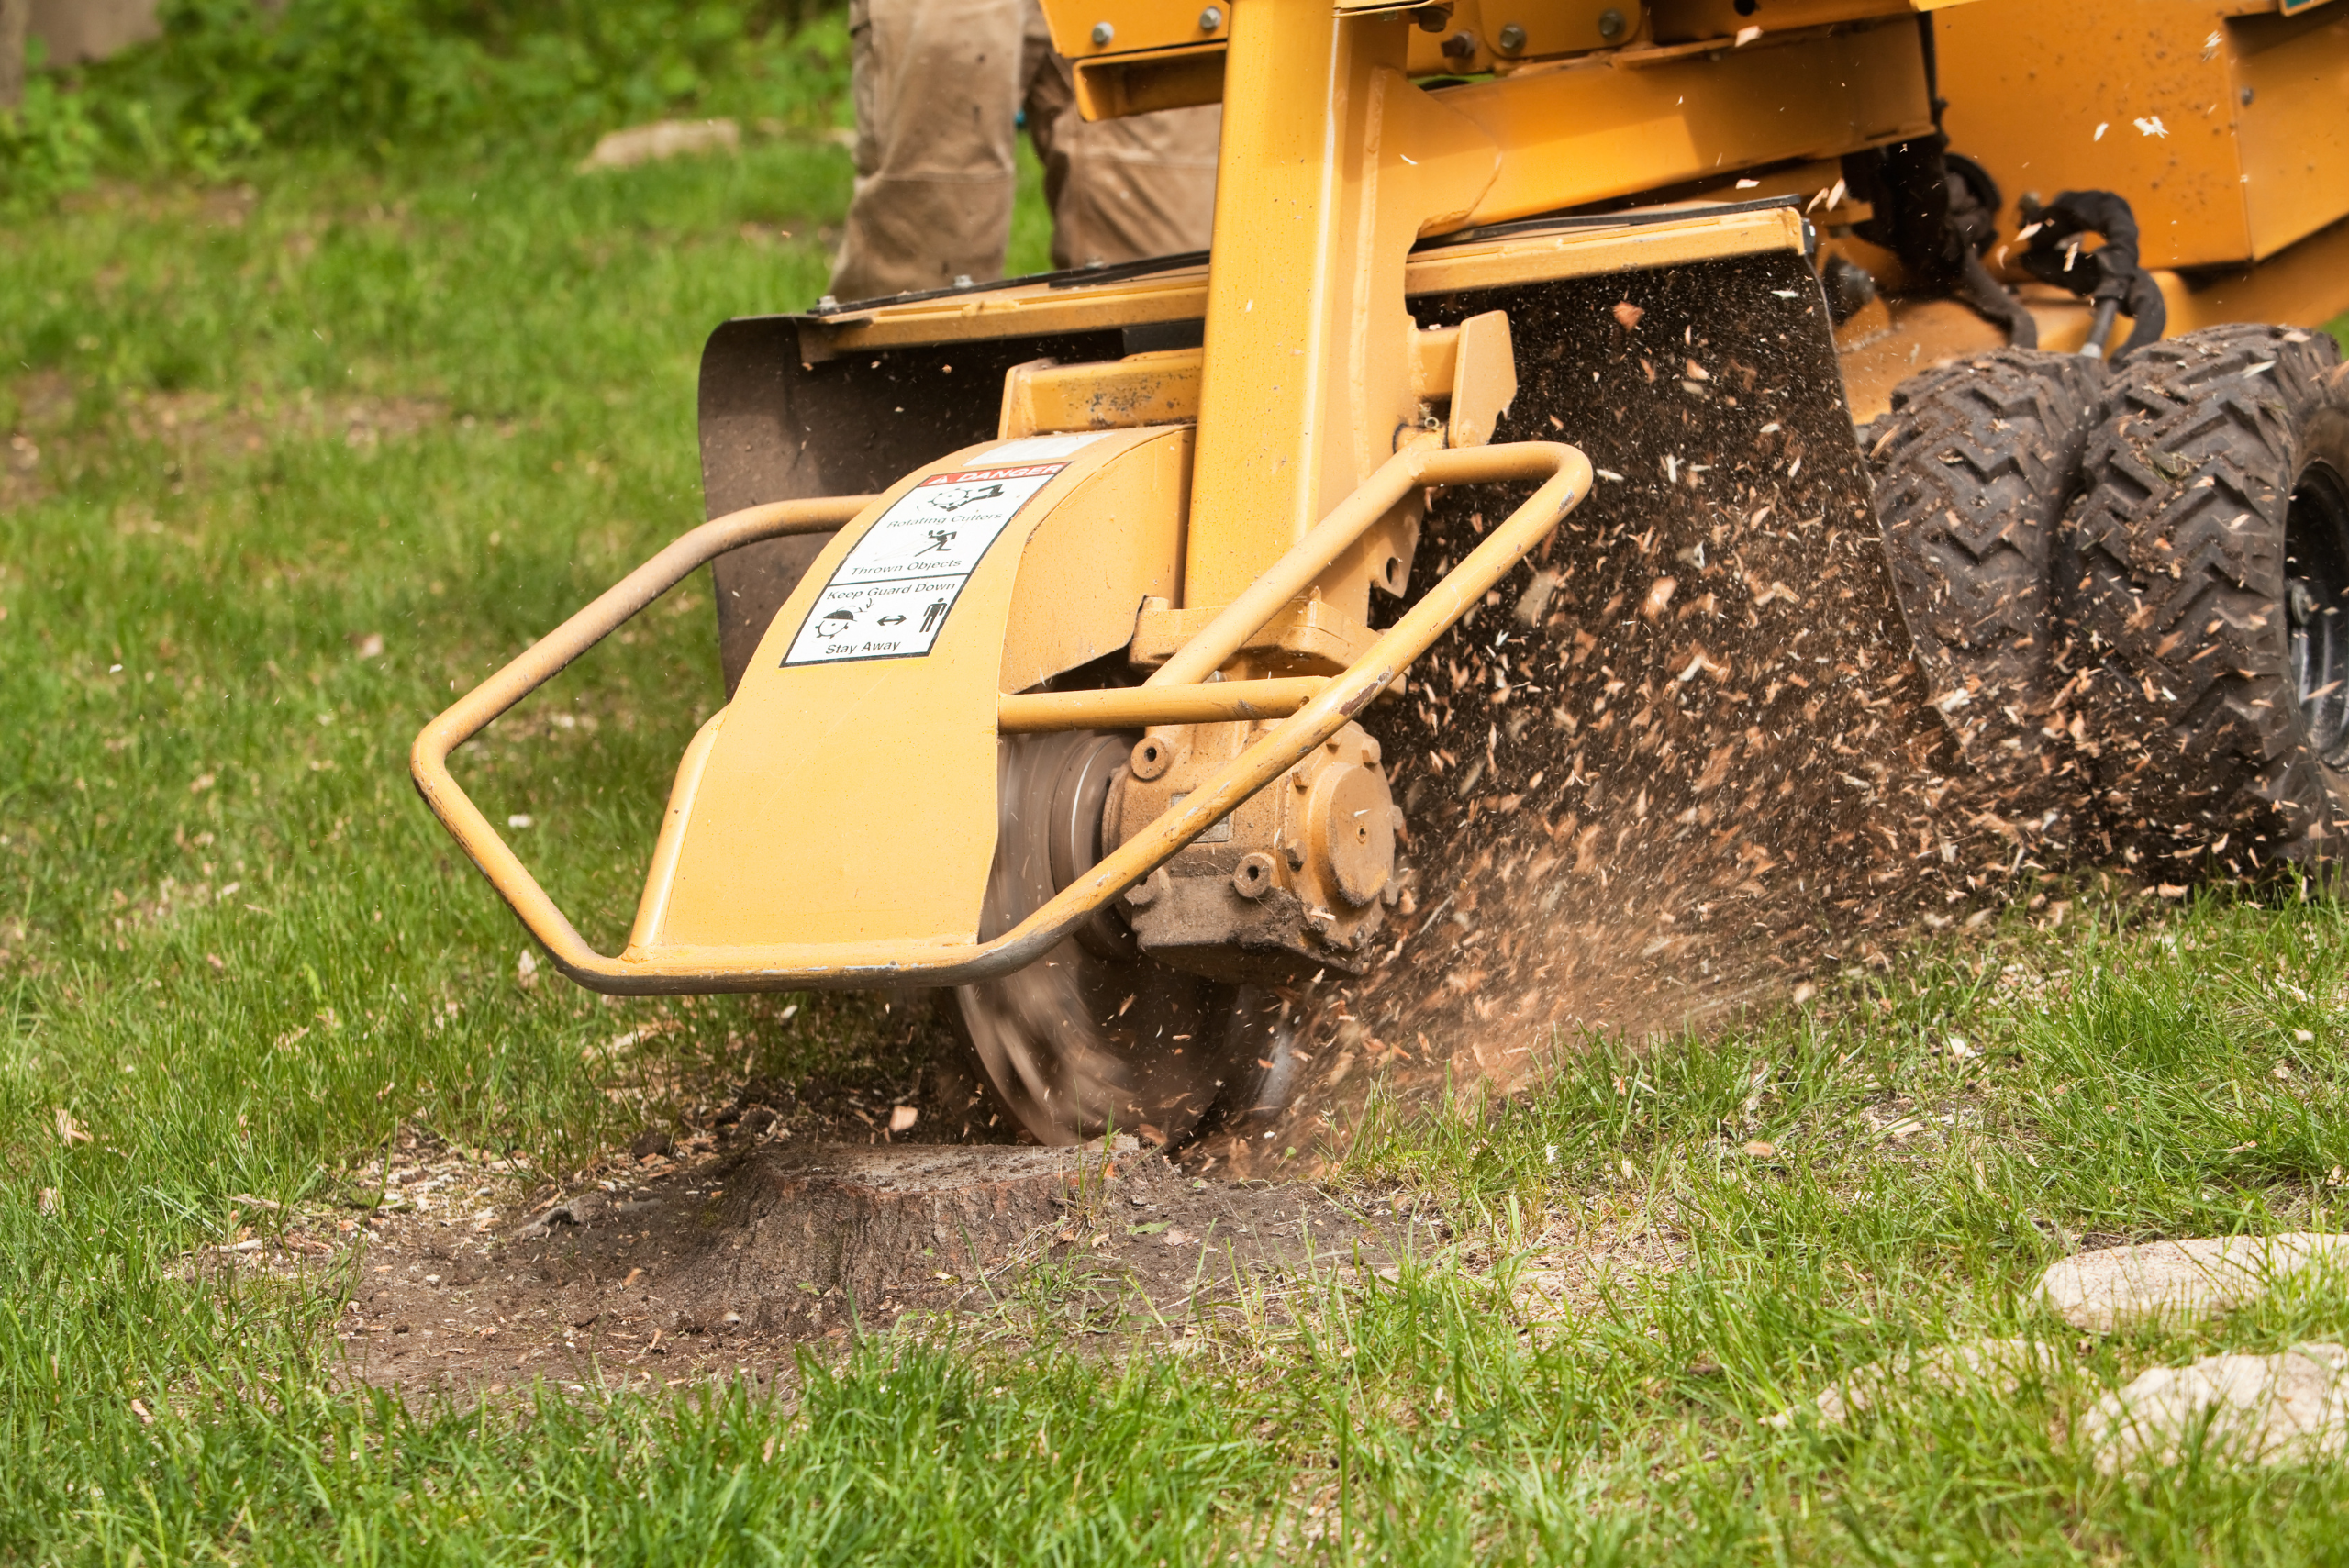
[(890, 595)]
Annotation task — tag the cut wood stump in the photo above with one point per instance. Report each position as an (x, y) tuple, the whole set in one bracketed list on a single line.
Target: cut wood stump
[(867, 1222)]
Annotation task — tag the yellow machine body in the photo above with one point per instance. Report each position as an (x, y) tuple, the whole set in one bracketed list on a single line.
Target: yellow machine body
[(2225, 121), (899, 851), (1234, 471)]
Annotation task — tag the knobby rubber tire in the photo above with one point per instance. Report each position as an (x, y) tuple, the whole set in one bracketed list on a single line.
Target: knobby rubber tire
[(2172, 576), (1974, 469)]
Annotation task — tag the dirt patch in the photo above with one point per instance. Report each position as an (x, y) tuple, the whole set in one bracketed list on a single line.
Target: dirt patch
[(723, 1262)]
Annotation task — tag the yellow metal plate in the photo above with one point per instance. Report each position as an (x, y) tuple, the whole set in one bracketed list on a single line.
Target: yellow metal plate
[(852, 798), (2228, 132), (1084, 29), (1179, 296), (1633, 120), (1677, 20)]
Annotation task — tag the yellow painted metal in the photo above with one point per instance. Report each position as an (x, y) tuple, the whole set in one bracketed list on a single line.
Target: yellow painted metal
[(1135, 51), (834, 824), (657, 963), (1818, 185), (1702, 236), (1306, 368), (2222, 123), (1158, 388), (1650, 118), (1318, 198), (1093, 562), (1678, 21), (2306, 285), (1492, 35), (1180, 294), (1484, 378), (1135, 707), (900, 751), (1086, 29), (1287, 578), (1137, 40), (1122, 84), (1309, 634), (1016, 310), (1654, 117), (1469, 367)]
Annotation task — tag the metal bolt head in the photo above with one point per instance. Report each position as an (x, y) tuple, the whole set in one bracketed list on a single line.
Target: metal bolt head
[(1211, 19), (2299, 602), (1461, 45), (1512, 37), (1102, 33), (1611, 24), (1254, 878)]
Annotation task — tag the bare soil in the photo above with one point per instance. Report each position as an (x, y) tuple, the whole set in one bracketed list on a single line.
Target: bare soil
[(723, 1263)]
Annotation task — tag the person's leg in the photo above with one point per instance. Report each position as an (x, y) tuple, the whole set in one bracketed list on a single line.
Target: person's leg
[(1121, 190), (937, 84)]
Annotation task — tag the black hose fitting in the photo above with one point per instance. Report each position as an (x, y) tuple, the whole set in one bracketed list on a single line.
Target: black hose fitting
[(2110, 277)]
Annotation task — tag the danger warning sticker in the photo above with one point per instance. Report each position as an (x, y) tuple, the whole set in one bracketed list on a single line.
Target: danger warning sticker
[(890, 595)]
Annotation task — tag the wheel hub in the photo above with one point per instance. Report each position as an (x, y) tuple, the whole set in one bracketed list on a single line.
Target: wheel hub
[(2316, 598)]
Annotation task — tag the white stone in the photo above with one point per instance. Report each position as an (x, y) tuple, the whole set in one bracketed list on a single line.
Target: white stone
[(662, 138), (2284, 1409), (2104, 1290), (1997, 1366)]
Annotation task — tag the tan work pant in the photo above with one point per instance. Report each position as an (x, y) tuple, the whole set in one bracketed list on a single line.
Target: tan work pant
[(939, 86)]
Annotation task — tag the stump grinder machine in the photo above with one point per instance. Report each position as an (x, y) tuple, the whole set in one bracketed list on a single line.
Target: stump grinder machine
[(1621, 519)]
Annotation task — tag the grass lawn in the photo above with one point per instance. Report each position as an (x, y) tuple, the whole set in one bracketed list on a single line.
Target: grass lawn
[(289, 460)]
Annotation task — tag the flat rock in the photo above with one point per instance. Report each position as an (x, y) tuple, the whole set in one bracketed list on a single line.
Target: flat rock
[(2282, 1409), (1997, 1366), (2116, 1286), (662, 138)]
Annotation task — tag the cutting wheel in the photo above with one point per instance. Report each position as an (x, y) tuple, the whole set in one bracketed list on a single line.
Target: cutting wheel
[(1096, 1035)]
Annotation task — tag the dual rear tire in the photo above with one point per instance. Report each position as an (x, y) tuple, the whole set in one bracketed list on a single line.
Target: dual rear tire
[(1974, 467), (2207, 583), (2159, 552)]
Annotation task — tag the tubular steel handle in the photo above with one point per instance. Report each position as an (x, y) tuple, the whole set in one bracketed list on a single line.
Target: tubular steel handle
[(1566, 475), (546, 659)]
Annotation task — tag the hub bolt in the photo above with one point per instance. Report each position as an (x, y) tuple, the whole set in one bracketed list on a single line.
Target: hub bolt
[(1611, 24), (1512, 37), (2299, 602)]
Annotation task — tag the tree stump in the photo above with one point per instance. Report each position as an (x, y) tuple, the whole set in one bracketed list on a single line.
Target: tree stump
[(863, 1222)]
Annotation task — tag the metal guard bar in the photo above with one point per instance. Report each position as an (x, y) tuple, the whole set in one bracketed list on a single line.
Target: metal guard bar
[(1139, 707), (1566, 475)]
